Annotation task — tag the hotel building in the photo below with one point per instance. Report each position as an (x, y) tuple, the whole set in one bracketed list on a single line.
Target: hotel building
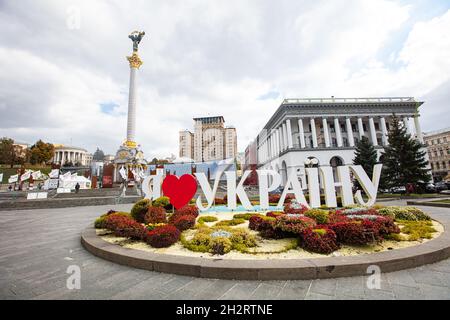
[(210, 141)]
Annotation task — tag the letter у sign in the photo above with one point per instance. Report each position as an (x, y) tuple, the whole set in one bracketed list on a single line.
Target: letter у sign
[(182, 190)]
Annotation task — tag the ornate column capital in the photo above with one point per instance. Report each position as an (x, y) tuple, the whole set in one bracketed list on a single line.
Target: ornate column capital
[(135, 61)]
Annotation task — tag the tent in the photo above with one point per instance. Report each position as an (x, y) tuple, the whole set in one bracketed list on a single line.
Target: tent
[(70, 183)]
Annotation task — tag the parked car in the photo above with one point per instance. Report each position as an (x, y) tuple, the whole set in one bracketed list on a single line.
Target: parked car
[(398, 190), (440, 186)]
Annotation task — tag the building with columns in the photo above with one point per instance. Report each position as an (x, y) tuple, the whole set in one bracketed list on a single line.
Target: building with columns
[(327, 130), (210, 141), (65, 154)]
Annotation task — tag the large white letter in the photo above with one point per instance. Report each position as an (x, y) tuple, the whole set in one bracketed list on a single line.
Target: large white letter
[(233, 190), (264, 188), (370, 187), (330, 185), (152, 192), (206, 188), (293, 186), (313, 187)]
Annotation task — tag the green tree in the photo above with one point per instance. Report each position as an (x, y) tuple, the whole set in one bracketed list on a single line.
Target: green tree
[(365, 155), (41, 152), (403, 159), (7, 152)]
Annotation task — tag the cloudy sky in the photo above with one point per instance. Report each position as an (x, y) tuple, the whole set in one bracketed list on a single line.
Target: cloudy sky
[(64, 76)]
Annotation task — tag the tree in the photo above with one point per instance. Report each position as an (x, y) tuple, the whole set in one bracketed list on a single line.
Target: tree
[(158, 161), (7, 152), (365, 155), (404, 159), (99, 155), (41, 152)]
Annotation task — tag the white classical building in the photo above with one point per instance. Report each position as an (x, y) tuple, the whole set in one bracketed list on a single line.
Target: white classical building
[(326, 130), (210, 141), (64, 154)]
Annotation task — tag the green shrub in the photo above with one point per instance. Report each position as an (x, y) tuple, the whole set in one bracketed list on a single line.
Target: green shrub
[(230, 223), (243, 237), (204, 240), (246, 216), (404, 213), (220, 245), (140, 209), (161, 202), (205, 219), (417, 230), (321, 216)]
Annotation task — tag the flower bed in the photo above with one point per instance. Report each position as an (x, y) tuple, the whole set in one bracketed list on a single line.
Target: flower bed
[(298, 229)]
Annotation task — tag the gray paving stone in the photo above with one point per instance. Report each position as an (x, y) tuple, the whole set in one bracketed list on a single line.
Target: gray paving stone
[(241, 290), (295, 290), (33, 266), (324, 286)]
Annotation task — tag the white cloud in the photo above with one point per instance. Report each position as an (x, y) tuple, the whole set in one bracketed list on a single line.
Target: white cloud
[(203, 58)]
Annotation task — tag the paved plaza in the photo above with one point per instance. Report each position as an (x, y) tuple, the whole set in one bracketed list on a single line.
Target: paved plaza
[(37, 247)]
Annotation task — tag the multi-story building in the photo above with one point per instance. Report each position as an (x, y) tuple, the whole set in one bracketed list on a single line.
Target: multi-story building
[(20, 149), (327, 130), (210, 141), (438, 147), (69, 154)]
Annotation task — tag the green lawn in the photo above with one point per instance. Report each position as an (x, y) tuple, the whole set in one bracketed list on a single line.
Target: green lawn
[(442, 201)]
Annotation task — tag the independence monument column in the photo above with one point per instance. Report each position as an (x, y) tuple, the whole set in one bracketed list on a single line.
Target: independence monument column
[(135, 64), (129, 157)]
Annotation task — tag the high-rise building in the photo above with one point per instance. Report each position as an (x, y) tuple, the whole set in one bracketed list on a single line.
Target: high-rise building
[(210, 141)]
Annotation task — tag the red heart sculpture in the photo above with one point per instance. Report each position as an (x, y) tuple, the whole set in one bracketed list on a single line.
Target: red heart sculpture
[(180, 191)]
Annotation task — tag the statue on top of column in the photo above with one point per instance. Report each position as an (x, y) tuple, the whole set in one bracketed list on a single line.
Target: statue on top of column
[(136, 37)]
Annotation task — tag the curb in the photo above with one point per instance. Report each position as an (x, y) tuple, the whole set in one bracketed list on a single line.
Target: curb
[(289, 269)]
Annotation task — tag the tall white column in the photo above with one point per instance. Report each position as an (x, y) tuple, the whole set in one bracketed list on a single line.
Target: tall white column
[(285, 138), (131, 123), (337, 128), (418, 128), (280, 138), (301, 133), (351, 139), (313, 132), (289, 133), (406, 123), (373, 132), (384, 131), (360, 128), (326, 134)]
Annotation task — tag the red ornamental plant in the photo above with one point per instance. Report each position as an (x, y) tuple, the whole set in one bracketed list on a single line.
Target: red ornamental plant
[(163, 237), (122, 226), (294, 225), (184, 211), (184, 222), (254, 222), (356, 232), (322, 240), (155, 215)]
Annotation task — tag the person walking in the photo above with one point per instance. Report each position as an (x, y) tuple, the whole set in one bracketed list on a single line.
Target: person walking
[(77, 187)]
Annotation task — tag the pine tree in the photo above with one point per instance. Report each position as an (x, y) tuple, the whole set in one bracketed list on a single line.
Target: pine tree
[(403, 159), (365, 155)]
